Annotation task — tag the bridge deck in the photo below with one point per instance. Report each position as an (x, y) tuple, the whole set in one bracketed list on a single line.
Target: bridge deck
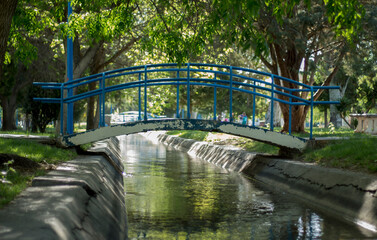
[(255, 133)]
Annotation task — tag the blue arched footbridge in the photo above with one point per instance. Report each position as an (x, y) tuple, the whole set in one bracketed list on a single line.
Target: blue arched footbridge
[(214, 77)]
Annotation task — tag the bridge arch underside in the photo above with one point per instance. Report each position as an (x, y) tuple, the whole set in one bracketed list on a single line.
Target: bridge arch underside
[(263, 135)]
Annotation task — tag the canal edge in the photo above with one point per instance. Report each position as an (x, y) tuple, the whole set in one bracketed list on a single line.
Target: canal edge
[(82, 199), (348, 195)]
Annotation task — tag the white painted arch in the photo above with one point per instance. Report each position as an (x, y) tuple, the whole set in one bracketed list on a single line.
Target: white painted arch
[(258, 134)]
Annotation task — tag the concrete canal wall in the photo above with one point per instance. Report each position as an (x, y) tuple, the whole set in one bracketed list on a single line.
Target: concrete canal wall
[(81, 199), (346, 194)]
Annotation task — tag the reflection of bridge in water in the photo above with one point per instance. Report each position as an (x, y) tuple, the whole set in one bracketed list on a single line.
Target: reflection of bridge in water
[(256, 83)]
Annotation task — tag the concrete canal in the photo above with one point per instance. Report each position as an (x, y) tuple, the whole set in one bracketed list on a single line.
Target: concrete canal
[(171, 195)]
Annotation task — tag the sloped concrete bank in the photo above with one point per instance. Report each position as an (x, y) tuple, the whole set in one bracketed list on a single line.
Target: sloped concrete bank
[(346, 194), (81, 199)]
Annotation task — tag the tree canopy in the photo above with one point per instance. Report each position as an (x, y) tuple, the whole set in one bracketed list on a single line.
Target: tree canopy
[(294, 39)]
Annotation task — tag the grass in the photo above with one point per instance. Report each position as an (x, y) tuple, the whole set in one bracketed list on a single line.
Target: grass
[(255, 146), (18, 181), (331, 132), (244, 143), (196, 135), (13, 180), (358, 152), (35, 151), (50, 132), (355, 154)]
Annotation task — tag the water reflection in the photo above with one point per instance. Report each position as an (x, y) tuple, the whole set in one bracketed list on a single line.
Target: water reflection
[(170, 195)]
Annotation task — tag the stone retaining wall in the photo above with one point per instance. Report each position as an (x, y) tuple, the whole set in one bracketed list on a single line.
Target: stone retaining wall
[(347, 194), (81, 199)]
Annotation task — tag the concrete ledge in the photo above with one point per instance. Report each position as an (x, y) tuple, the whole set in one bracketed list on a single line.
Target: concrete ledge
[(349, 195), (81, 199)]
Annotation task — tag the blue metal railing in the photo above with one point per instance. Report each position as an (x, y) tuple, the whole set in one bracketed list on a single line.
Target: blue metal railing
[(245, 80)]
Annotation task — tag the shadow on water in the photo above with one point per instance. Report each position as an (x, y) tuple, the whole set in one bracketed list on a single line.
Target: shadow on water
[(170, 195)]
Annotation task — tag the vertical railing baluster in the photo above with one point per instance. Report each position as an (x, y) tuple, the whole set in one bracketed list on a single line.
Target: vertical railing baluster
[(139, 95), (70, 124), (272, 104), (311, 113), (145, 93), (177, 111), (188, 91), (254, 105), (103, 99), (62, 109), (230, 94), (100, 103), (290, 113), (69, 116), (215, 100)]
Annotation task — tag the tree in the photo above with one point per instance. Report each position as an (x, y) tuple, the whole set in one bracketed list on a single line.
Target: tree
[(21, 51), (41, 113), (291, 38), (7, 9)]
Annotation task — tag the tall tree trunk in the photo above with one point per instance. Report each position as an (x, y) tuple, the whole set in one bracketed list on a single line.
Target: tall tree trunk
[(90, 119), (297, 119), (7, 9), (9, 106), (95, 67), (326, 119), (335, 95)]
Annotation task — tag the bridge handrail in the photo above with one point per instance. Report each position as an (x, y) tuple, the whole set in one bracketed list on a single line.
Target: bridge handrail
[(235, 74)]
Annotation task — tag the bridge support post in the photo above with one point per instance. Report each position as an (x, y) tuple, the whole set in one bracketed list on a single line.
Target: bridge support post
[(102, 102), (214, 100), (290, 113), (145, 93), (139, 95), (311, 113), (272, 104), (188, 91), (177, 109), (69, 76), (61, 109), (254, 105), (231, 94)]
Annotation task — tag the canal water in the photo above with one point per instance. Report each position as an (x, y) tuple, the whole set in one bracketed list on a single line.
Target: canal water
[(171, 195)]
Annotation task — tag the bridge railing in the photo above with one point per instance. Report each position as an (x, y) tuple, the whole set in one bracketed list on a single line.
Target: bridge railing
[(258, 84)]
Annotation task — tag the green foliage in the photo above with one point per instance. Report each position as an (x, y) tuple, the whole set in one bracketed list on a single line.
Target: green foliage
[(257, 147), (35, 151), (50, 131), (331, 132), (6, 172), (244, 143), (42, 113), (346, 16), (18, 182), (195, 135), (353, 153)]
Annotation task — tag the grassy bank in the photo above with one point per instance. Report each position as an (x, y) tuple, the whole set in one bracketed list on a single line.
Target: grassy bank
[(358, 152), (22, 160), (355, 153), (244, 143)]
